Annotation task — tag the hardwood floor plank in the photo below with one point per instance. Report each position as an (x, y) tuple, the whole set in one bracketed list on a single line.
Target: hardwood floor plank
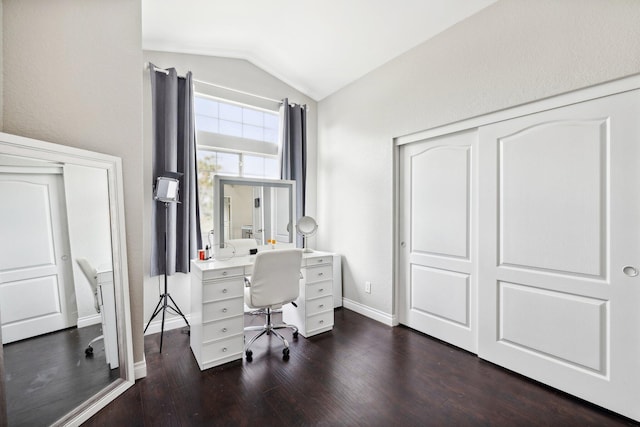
[(362, 373)]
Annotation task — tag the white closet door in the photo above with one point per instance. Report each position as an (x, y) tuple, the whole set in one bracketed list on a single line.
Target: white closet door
[(437, 230), (36, 282), (559, 293)]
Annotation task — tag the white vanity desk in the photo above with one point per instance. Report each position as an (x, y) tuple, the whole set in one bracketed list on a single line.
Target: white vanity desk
[(217, 304)]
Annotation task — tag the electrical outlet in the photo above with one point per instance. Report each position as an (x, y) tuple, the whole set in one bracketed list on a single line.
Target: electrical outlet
[(367, 287)]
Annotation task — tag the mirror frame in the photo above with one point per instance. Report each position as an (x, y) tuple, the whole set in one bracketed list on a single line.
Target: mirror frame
[(26, 147), (219, 181)]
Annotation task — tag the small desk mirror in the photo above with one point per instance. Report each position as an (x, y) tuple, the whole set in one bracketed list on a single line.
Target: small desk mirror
[(250, 208), (63, 283)]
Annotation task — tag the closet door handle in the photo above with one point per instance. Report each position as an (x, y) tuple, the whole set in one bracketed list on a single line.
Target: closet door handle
[(630, 271)]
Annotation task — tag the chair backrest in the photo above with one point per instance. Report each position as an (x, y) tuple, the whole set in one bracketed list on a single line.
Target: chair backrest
[(242, 246), (92, 276), (276, 277)]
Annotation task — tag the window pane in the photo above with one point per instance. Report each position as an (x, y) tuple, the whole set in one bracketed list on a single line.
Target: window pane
[(271, 121), (228, 164), (207, 124), (253, 166), (252, 117), (253, 132), (230, 112), (271, 168), (206, 107), (231, 128), (271, 135)]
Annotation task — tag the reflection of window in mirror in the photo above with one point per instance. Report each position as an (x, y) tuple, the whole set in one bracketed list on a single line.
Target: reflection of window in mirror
[(234, 140)]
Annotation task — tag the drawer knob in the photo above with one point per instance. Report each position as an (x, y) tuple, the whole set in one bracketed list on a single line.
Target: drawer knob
[(224, 291), (224, 310), (321, 289), (321, 305), (320, 261), (224, 273), (321, 322), (224, 349), (320, 274), (224, 329)]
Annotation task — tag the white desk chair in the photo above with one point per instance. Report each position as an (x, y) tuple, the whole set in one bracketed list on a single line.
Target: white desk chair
[(275, 281), (92, 277)]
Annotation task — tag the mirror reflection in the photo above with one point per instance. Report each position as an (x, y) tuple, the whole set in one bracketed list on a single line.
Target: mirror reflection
[(57, 302), (260, 209)]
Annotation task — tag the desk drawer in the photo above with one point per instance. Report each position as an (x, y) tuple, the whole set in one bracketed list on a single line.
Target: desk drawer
[(223, 289), (319, 289), (317, 274), (222, 273), (222, 328), (319, 305), (218, 310), (220, 349), (311, 261), (319, 321)]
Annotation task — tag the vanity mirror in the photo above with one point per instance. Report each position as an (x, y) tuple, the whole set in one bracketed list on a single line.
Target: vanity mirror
[(63, 283), (251, 208)]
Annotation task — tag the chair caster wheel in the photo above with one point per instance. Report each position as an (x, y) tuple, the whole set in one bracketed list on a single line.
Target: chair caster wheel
[(249, 355), (295, 335), (285, 354), (88, 352)]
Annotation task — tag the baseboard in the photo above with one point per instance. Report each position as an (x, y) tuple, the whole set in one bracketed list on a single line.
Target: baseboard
[(169, 323), (93, 319), (372, 313), (140, 368)]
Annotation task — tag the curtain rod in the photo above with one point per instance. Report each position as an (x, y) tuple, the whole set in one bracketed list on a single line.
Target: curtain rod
[(161, 70)]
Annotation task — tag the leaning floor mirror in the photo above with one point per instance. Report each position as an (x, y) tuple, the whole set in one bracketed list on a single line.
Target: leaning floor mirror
[(64, 294)]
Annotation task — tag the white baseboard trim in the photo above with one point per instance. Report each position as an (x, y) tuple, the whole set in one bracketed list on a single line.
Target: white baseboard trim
[(372, 313), (173, 322), (140, 368), (93, 319)]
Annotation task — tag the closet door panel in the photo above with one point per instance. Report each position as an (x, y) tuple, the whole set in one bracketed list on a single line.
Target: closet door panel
[(437, 279), (551, 195), (559, 244)]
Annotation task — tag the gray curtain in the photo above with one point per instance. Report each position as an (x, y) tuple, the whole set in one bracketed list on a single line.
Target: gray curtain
[(294, 152), (174, 152)]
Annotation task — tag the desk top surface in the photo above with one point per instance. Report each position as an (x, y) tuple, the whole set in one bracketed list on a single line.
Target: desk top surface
[(242, 261)]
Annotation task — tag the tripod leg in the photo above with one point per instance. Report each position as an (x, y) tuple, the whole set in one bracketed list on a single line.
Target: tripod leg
[(177, 309), (155, 313)]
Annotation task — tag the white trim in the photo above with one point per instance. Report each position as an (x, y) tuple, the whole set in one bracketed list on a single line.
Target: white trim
[(560, 100), (372, 313), (140, 368), (92, 319)]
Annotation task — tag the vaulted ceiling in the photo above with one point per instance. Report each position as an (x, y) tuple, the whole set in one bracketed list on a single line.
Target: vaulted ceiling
[(317, 47)]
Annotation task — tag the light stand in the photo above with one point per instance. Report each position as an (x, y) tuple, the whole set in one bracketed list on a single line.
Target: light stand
[(166, 191)]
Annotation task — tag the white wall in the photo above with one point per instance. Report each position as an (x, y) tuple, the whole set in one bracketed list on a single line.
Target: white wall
[(237, 74), (87, 199), (73, 76), (510, 53)]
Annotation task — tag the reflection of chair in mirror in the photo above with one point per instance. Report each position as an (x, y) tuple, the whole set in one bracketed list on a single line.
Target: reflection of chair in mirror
[(242, 246), (275, 281), (92, 277)]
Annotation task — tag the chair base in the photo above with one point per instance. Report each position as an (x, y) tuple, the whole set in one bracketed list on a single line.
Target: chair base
[(268, 329), (88, 352)]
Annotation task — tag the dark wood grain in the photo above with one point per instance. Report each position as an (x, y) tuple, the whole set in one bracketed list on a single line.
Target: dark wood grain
[(49, 375), (362, 373)]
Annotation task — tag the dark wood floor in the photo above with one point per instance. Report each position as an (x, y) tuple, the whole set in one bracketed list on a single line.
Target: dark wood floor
[(362, 373), (47, 376)]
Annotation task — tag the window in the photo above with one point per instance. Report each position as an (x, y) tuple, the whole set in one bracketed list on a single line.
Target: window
[(234, 140)]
